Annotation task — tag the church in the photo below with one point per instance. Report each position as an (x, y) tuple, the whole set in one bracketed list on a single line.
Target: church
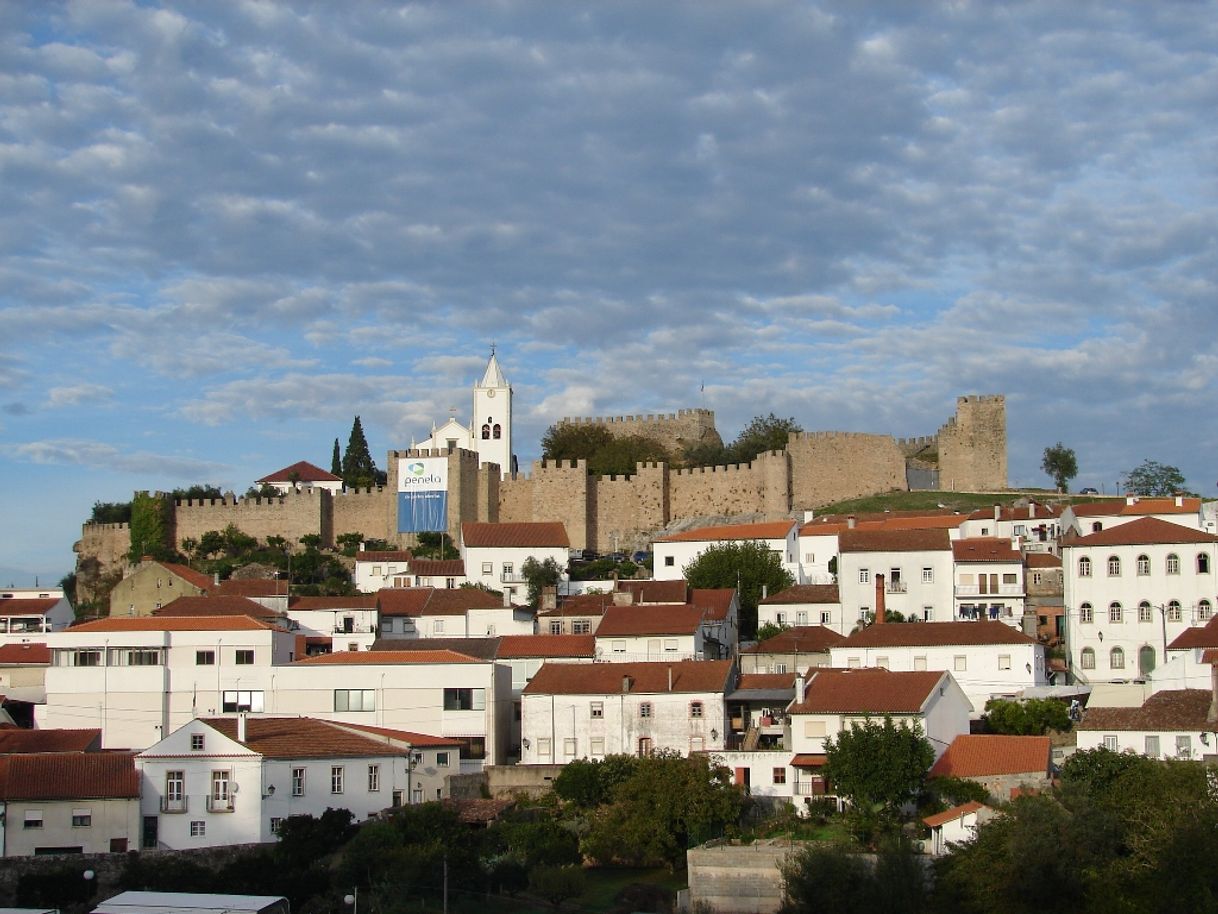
[(489, 433)]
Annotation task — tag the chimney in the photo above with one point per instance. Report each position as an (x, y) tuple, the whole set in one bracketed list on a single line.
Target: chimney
[(850, 522), (670, 678), (626, 683), (1179, 501), (1131, 499), (623, 597), (997, 513), (241, 727), (765, 591), (215, 578), (549, 597), (799, 687), (879, 599), (507, 598)]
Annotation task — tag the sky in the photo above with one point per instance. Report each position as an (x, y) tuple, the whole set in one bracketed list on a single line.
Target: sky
[(228, 228)]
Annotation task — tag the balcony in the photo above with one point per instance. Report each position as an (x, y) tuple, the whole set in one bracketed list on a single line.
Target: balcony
[(511, 577), (220, 804), (976, 590), (895, 587), (354, 629), (813, 788), (174, 805)]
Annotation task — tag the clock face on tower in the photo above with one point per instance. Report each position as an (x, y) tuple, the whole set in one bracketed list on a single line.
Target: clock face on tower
[(490, 393)]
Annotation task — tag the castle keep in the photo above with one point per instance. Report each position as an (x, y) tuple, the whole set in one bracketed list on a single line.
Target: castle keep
[(968, 453)]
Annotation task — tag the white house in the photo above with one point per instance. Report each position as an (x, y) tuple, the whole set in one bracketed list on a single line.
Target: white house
[(375, 569), (68, 803), (915, 566), (802, 605), (956, 825), (672, 554), (816, 544), (218, 782), (1173, 723), (987, 659), (830, 700), (1092, 517), (1129, 590), (634, 633), (27, 613), (300, 476), (489, 433), (572, 711), (348, 623), (791, 650), (494, 554), (1035, 528), (465, 612), (989, 579)]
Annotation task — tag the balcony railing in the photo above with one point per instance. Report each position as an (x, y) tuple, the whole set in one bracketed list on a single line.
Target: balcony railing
[(219, 804), (895, 587), (512, 577), (354, 630), (975, 590), (174, 804), (809, 788)]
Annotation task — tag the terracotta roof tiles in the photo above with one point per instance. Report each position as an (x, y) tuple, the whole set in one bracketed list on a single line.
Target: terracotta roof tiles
[(981, 755), (197, 578), (307, 737), (35, 606), (433, 601), (387, 658), (951, 815), (69, 776), (544, 534), (656, 591), (620, 621), (930, 634), (802, 639), (642, 678), (804, 593), (770, 530), (1144, 531), (985, 549), (1042, 560), (174, 624), (522, 646), (917, 540), (252, 587), (13, 742), (1172, 709), (25, 652), (301, 471), (867, 691), (438, 568), (184, 607)]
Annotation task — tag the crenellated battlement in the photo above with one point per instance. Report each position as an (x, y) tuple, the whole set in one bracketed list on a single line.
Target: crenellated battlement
[(695, 413), (92, 527)]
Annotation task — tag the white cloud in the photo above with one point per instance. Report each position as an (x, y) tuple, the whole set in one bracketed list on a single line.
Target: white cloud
[(78, 394), (96, 454)]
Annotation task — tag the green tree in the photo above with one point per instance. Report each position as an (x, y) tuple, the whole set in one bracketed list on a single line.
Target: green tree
[(591, 782), (435, 545), (111, 512), (348, 543), (606, 454), (557, 883), (336, 460), (359, 469), (879, 766), (705, 454), (538, 576), (150, 525), (837, 878), (1096, 770), (763, 433), (1032, 717), (197, 492), (748, 566), (1060, 464), (569, 441), (1153, 478)]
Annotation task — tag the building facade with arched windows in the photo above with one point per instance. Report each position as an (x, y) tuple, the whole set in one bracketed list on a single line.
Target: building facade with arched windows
[(1130, 590), (489, 433)]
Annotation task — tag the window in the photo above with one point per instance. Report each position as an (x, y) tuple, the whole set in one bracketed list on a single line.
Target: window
[(1173, 564), (135, 657), (508, 569), (298, 782), (1184, 746), (437, 627), (1116, 658), (881, 662), (1110, 742), (928, 575), (1087, 659), (695, 709), (465, 699), (33, 818), (1114, 566), (779, 775), (198, 828), (598, 745), (696, 744), (82, 818), (196, 742), (780, 618), (175, 788), (556, 627), (1004, 661), (1144, 613), (487, 568), (543, 747), (780, 667), (960, 663), (242, 701), (1204, 610), (219, 786), (1173, 611), (1084, 567), (355, 699), (669, 561), (1009, 579), (374, 778), (853, 663), (826, 617), (1086, 614), (1036, 577), (919, 664), (569, 747), (597, 710), (205, 658), (1203, 563), (864, 576), (801, 617), (244, 657), (386, 625), (581, 626), (814, 728), (276, 824), (1152, 747), (670, 645), (441, 759), (645, 709), (336, 779), (1096, 527), (619, 647), (1143, 565), (1115, 614)]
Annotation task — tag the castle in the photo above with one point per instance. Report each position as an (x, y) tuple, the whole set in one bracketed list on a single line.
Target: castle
[(968, 453)]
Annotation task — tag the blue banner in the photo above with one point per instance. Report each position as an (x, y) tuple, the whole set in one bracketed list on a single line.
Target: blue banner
[(420, 512)]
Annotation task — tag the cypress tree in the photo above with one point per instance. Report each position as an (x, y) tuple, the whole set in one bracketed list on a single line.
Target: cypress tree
[(359, 472), (336, 461)]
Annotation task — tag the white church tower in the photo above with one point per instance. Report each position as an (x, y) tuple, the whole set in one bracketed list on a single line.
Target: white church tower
[(489, 432)]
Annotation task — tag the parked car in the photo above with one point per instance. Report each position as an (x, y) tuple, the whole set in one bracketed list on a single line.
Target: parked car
[(1088, 491)]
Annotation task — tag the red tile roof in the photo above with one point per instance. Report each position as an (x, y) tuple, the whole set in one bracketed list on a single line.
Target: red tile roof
[(1141, 506), (175, 624), (867, 691), (1030, 511), (802, 639), (433, 601), (252, 587), (215, 606), (439, 568), (951, 815), (1171, 709), (917, 540), (931, 634), (1196, 636), (715, 601), (1144, 531), (679, 619), (545, 534), (584, 604), (809, 760), (14, 742), (307, 737), (985, 549), (69, 776), (770, 530), (352, 601), (27, 652), (804, 593), (1042, 560), (644, 678), (197, 578), (301, 471), (388, 658), (415, 739), (656, 591), (20, 606), (521, 646), (981, 755)]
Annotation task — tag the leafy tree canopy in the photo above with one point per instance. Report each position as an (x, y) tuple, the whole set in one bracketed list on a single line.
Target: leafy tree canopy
[(879, 765), (150, 527), (359, 469), (336, 460), (538, 576), (749, 565), (197, 492), (764, 433), (1033, 717), (111, 512), (1060, 464), (1153, 478), (435, 545), (606, 454)]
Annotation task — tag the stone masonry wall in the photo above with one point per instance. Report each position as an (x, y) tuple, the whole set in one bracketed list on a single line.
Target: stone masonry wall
[(834, 466), (562, 490), (973, 446), (291, 516), (673, 430), (747, 488), (628, 509), (371, 512)]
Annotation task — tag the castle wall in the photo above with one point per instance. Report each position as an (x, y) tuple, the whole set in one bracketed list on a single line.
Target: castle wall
[(516, 499), (973, 446), (834, 466), (626, 510), (748, 488), (292, 515), (675, 431), (371, 512), (466, 488), (490, 478), (557, 490), (108, 544)]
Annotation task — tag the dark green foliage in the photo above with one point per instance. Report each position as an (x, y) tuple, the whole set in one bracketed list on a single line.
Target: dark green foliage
[(210, 543), (557, 883), (336, 461), (749, 565), (359, 469), (197, 492), (769, 630), (591, 782), (264, 491), (599, 569), (947, 792), (705, 454), (435, 545), (1096, 770), (539, 575), (62, 887), (764, 433), (535, 841), (305, 839), (150, 527), (567, 441), (836, 878), (111, 512), (606, 455), (348, 543), (1033, 717), (1153, 478), (237, 543), (1060, 464), (68, 584), (878, 765), (311, 542)]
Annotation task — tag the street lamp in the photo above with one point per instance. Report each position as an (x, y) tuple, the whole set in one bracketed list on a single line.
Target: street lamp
[(353, 900)]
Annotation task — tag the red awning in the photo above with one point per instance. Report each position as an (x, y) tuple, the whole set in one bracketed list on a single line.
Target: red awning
[(809, 761)]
